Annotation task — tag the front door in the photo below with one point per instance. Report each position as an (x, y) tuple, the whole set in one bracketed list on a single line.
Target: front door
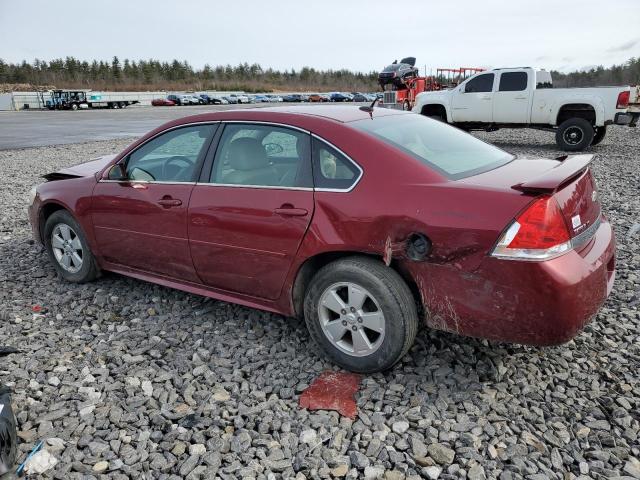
[(141, 221), (250, 212), (472, 101)]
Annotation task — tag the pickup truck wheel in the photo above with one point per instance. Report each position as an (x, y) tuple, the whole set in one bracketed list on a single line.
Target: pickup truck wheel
[(599, 136), (574, 134), (361, 313)]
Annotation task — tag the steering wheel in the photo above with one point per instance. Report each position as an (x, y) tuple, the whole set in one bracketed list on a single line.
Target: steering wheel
[(172, 168)]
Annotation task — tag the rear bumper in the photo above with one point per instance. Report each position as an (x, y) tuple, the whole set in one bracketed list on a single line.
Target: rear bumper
[(624, 118), (535, 303)]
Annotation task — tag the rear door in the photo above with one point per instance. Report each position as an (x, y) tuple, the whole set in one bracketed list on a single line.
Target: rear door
[(472, 101), (512, 98), (251, 208)]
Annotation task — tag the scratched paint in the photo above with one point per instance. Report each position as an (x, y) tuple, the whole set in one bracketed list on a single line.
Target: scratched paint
[(333, 391)]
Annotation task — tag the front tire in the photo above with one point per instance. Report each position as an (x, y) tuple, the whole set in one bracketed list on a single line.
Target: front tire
[(574, 134), (599, 135), (68, 248), (361, 313)]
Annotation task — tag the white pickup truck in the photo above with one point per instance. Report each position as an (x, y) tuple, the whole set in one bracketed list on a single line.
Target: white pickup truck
[(524, 97)]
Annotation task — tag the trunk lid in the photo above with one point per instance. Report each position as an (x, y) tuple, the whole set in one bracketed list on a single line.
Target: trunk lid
[(568, 179)]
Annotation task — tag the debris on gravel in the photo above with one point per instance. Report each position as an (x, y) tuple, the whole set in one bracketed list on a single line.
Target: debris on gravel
[(126, 379)]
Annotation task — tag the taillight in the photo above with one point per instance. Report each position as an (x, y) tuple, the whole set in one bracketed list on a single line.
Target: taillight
[(539, 233), (623, 100)]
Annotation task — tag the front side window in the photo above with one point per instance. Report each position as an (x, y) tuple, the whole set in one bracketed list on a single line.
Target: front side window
[(481, 83), (262, 155), (444, 148), (331, 169), (170, 157), (513, 82)]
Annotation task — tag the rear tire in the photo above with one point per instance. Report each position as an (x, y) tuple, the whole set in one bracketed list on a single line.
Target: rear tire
[(599, 135), (374, 322), (574, 134), (66, 242)]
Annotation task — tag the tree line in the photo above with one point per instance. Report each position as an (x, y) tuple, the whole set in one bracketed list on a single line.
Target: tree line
[(180, 75), (625, 74)]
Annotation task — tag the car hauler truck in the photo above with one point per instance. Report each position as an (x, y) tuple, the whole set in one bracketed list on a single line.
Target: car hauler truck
[(77, 99)]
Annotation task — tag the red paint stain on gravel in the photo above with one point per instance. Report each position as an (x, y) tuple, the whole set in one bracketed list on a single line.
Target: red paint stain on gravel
[(332, 391)]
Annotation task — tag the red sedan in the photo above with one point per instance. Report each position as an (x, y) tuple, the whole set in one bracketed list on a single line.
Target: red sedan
[(162, 102), (360, 220)]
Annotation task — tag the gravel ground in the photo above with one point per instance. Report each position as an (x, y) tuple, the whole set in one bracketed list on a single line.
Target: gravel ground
[(130, 380)]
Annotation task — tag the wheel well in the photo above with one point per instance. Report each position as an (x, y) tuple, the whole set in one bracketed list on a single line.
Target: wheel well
[(434, 110), (311, 266), (45, 212), (577, 110)]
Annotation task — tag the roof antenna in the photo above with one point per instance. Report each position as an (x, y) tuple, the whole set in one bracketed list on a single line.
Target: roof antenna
[(369, 109)]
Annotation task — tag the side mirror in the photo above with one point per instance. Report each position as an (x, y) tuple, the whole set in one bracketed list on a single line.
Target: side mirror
[(117, 172)]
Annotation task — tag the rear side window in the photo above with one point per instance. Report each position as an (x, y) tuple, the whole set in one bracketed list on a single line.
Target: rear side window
[(447, 150), (513, 82), (331, 169), (262, 155), (481, 83)]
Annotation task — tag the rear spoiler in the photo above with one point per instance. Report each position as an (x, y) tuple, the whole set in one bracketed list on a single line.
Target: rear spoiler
[(570, 167)]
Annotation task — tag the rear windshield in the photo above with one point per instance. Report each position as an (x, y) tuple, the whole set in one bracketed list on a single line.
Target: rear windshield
[(448, 150)]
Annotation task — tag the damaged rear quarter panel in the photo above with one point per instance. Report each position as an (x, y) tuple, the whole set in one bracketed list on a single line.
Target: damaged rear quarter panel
[(462, 221)]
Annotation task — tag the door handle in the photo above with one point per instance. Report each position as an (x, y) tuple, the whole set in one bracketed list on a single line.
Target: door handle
[(290, 211), (487, 97), (520, 98), (168, 202)]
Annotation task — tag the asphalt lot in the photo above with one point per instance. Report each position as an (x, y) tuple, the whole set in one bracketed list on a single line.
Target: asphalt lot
[(41, 128)]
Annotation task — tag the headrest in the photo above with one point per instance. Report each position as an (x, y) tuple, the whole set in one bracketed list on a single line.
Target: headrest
[(247, 154)]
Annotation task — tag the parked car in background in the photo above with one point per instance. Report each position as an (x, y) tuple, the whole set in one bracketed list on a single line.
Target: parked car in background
[(304, 97), (419, 223), (175, 98), (240, 98), (524, 97), (339, 97), (325, 97), (231, 99), (162, 102), (260, 99), (199, 99), (274, 98), (294, 97), (359, 97), (315, 97), (209, 100)]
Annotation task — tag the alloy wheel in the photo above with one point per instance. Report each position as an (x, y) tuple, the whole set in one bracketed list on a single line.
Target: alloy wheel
[(67, 248), (351, 319)]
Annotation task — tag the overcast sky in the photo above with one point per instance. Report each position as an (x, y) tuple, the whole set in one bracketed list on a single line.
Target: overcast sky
[(356, 34)]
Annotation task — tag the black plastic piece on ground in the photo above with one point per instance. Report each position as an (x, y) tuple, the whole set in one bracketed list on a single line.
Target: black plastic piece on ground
[(7, 351), (8, 440)]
